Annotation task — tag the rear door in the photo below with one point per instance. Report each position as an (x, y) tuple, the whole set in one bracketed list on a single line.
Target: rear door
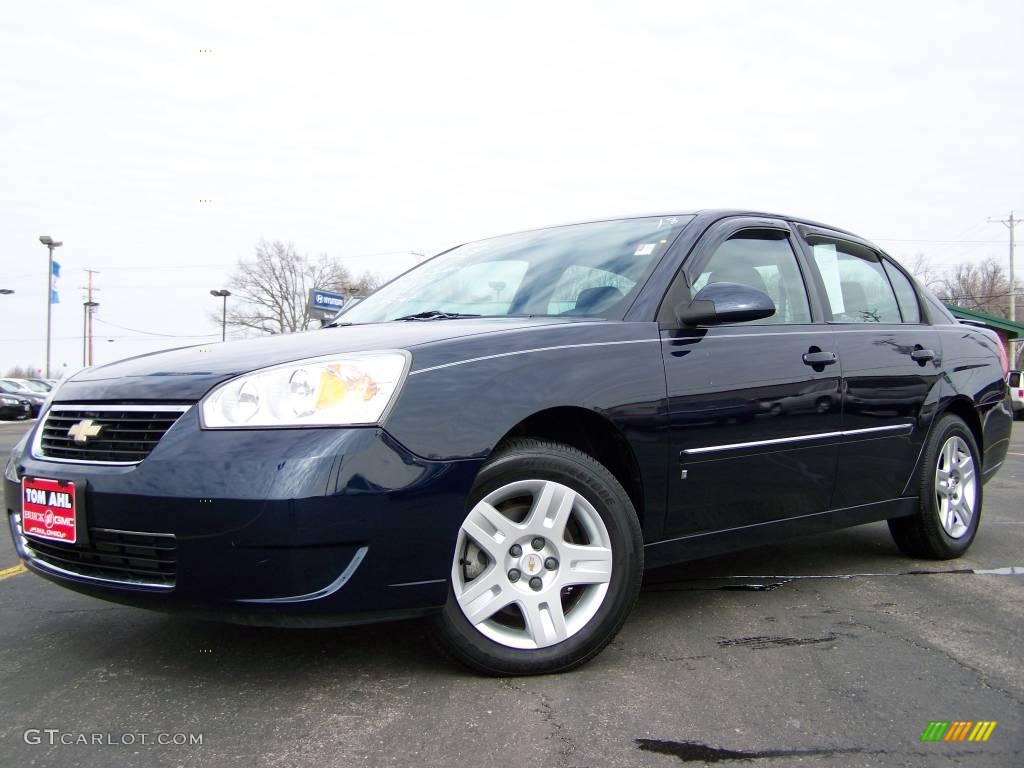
[(753, 424), (891, 362)]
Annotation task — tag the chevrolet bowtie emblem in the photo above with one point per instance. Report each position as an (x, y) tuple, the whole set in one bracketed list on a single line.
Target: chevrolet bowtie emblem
[(83, 430)]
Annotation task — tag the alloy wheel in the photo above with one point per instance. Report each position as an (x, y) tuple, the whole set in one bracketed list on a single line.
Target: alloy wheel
[(956, 493), (532, 566)]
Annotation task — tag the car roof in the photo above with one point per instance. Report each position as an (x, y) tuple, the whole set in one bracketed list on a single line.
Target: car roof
[(710, 214)]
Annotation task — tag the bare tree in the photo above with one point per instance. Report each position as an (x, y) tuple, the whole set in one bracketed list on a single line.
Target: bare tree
[(983, 286), (21, 372), (927, 275), (271, 291), (365, 284)]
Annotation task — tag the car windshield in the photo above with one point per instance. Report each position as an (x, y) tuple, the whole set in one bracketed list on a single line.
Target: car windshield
[(589, 270), (35, 386)]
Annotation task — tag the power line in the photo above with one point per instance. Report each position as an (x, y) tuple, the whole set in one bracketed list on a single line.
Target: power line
[(155, 333)]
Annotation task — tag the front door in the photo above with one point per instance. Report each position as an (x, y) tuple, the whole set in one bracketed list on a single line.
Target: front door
[(754, 408)]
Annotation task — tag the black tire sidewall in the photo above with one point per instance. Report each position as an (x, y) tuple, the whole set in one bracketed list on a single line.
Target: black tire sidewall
[(570, 468)]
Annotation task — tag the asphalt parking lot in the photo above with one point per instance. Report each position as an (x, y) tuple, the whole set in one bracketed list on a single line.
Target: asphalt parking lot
[(833, 650)]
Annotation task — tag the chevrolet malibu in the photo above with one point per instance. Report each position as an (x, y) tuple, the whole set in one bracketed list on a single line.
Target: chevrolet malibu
[(503, 438)]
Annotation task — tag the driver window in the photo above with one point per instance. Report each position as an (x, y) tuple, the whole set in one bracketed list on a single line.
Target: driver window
[(761, 259)]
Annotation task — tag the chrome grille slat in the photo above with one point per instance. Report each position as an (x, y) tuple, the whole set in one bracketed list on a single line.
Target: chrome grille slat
[(113, 556), (129, 432)]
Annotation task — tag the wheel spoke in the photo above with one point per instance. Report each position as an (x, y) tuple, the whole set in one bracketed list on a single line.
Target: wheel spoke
[(966, 472), (550, 511), (949, 455), (489, 529), (585, 565), (965, 512), (484, 596), (545, 620)]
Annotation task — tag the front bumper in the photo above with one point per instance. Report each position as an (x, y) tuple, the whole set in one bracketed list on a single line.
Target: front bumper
[(292, 526)]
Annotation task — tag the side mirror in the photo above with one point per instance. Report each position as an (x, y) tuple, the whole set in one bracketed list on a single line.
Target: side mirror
[(726, 303)]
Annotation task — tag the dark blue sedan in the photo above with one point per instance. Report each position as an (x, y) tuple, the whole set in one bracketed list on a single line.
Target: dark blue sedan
[(506, 436)]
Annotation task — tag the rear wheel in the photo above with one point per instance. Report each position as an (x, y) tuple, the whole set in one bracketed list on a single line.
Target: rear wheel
[(547, 563), (949, 507)]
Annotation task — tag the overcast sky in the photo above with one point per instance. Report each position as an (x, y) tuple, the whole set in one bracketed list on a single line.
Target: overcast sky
[(368, 130)]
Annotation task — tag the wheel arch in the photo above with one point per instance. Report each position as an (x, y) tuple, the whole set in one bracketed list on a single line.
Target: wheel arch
[(592, 433), (962, 406)]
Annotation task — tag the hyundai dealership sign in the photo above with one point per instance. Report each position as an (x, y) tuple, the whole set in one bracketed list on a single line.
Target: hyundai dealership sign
[(324, 304)]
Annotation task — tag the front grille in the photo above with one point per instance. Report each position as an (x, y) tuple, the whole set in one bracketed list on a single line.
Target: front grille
[(135, 558), (126, 434)]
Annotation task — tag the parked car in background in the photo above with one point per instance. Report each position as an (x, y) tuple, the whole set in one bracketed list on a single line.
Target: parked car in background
[(504, 437), (16, 387), (1016, 384), (14, 408), (42, 386)]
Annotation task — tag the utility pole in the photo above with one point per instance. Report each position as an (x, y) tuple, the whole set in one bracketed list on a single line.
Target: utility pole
[(1011, 224), (90, 306)]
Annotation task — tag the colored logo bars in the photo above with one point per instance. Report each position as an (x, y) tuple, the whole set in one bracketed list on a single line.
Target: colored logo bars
[(958, 730)]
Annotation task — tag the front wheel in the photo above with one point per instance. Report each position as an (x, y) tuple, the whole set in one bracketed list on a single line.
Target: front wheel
[(547, 563), (949, 507)]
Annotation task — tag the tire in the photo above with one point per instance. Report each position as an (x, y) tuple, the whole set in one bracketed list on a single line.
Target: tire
[(589, 567), (946, 521)]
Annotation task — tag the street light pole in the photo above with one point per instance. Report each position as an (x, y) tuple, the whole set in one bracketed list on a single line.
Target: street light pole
[(87, 307), (50, 244), (223, 293)]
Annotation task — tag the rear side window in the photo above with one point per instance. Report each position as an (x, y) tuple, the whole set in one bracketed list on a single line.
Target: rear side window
[(906, 296), (1014, 379), (856, 286)]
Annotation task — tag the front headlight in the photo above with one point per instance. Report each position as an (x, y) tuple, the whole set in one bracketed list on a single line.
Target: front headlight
[(346, 390), (8, 401)]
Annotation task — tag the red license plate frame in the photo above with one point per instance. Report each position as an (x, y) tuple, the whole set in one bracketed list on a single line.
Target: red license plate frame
[(51, 510)]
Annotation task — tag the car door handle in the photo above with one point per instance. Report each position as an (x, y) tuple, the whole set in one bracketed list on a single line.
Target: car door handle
[(922, 355), (819, 358)]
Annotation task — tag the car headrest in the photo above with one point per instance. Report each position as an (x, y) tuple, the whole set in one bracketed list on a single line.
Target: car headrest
[(591, 300), (739, 273)]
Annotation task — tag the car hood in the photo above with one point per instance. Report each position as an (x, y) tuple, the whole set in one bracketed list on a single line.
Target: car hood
[(187, 373)]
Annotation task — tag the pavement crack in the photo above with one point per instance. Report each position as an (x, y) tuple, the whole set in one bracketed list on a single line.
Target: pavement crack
[(766, 583), (770, 641), (567, 746), (980, 674), (548, 716)]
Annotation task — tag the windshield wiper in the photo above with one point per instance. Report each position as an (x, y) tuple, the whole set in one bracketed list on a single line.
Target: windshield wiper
[(435, 314)]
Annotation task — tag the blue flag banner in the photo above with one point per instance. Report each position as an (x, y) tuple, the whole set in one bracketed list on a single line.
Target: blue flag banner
[(54, 297), (56, 269)]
